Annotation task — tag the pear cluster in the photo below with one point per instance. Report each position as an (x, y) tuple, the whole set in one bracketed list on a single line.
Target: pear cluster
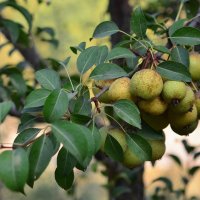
[(130, 159), (161, 102)]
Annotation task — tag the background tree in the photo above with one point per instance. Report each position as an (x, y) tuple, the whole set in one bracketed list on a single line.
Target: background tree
[(62, 97)]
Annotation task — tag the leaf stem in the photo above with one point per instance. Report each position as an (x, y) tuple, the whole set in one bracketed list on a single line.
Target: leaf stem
[(179, 10)]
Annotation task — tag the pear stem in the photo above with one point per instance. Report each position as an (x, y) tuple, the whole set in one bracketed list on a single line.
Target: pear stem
[(194, 86)]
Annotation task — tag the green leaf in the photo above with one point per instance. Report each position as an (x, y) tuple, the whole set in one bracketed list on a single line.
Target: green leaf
[(19, 8), (186, 36), (80, 47), (102, 53), (174, 71), (128, 112), (162, 49), (27, 121), (189, 149), (176, 159), (14, 168), (36, 98), (72, 137), (13, 29), (87, 59), (113, 149), (196, 155), (48, 79), (138, 22), (64, 180), (5, 108), (80, 119), (181, 55), (119, 52), (104, 29), (166, 181), (18, 82), (96, 137), (56, 105), (26, 136), (65, 161), (139, 146), (106, 71), (40, 155), (175, 26), (149, 133)]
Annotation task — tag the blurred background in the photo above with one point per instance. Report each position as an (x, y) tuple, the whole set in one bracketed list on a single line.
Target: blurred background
[(73, 21)]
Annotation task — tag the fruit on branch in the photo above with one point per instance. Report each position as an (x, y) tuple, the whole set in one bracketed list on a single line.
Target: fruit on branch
[(154, 107), (187, 129), (186, 103), (85, 77), (100, 84), (158, 148), (194, 67), (120, 89), (180, 121), (174, 91), (157, 122), (146, 84), (131, 160)]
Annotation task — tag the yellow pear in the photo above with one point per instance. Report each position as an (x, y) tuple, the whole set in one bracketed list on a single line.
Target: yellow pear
[(104, 98), (146, 84), (85, 77), (154, 107), (197, 103), (194, 67), (120, 89)]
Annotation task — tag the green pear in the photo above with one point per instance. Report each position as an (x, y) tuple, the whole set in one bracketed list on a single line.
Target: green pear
[(186, 103), (194, 67), (173, 90), (179, 121), (186, 130), (154, 107), (131, 160), (157, 122), (146, 84)]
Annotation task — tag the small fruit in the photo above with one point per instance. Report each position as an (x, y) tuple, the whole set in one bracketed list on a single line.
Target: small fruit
[(131, 160), (120, 89), (186, 103), (97, 85), (194, 67), (146, 84), (154, 107), (158, 148), (157, 122), (180, 121), (173, 91), (187, 129)]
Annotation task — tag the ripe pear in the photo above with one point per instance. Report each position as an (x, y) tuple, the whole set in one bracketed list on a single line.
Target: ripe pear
[(197, 103), (179, 121), (187, 129), (186, 103), (85, 77), (157, 122), (104, 98), (173, 90), (194, 67), (146, 84), (154, 107), (158, 148), (120, 89), (130, 160)]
